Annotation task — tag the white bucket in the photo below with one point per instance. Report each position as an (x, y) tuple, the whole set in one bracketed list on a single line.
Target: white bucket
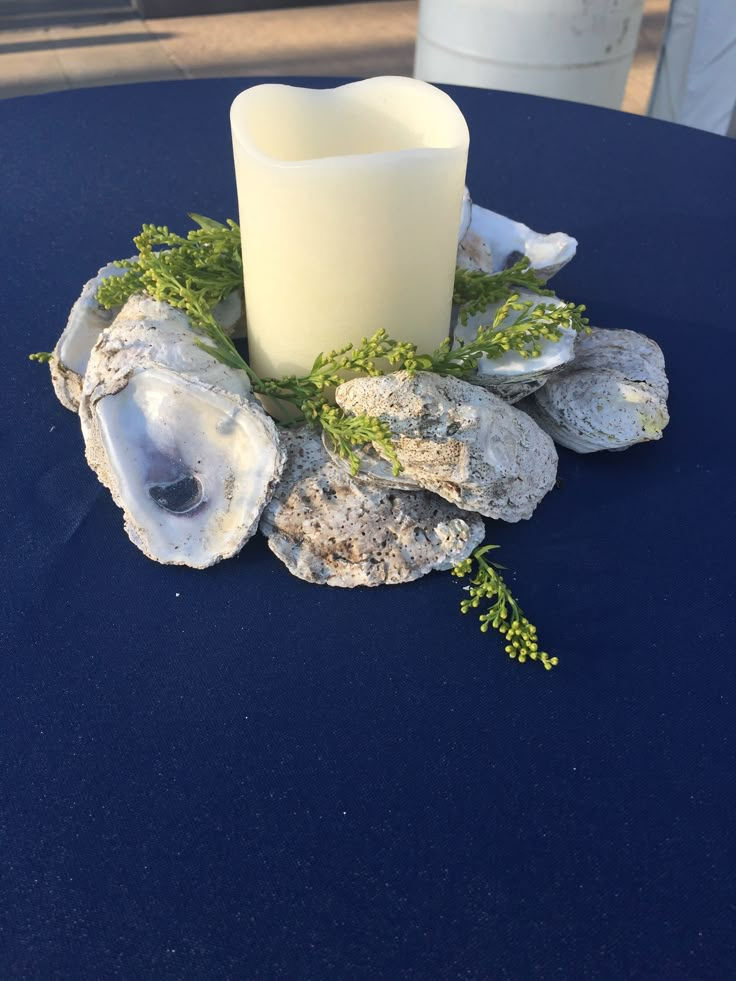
[(567, 49)]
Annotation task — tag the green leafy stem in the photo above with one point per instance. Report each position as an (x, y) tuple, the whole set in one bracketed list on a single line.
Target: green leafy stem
[(504, 614)]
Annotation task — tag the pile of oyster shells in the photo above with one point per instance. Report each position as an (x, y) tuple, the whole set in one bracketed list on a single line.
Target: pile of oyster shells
[(197, 466)]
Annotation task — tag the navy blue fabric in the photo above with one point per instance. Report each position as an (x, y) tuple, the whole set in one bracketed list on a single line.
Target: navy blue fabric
[(233, 774)]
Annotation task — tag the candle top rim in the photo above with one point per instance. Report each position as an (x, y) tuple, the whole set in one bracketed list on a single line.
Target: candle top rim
[(382, 119)]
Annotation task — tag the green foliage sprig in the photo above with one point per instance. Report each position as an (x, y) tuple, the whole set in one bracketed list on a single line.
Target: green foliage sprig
[(504, 614), (192, 273), (348, 432), (518, 325), (475, 290)]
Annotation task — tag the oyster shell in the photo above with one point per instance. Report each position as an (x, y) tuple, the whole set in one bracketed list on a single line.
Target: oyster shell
[(612, 396), (87, 318), (466, 214), (328, 529), (187, 455), (460, 441), (148, 331), (493, 242), (71, 354), (512, 376)]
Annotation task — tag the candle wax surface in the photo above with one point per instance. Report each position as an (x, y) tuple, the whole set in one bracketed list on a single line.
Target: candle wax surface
[(350, 205)]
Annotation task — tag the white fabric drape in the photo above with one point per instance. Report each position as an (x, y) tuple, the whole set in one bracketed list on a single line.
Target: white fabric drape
[(696, 77)]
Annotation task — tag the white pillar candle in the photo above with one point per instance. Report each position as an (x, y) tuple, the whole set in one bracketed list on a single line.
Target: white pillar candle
[(349, 204)]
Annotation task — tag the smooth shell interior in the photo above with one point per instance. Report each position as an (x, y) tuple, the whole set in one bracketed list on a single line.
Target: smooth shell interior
[(507, 241), (81, 336), (86, 319), (189, 463)]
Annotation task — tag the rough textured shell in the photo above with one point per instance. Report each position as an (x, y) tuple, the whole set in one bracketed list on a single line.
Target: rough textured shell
[(612, 396), (328, 529), (635, 355), (71, 354), (146, 331), (460, 441), (512, 377), (86, 321), (493, 242), (191, 463)]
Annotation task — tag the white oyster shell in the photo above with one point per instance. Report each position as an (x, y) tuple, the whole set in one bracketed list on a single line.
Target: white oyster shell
[(328, 529), (612, 396), (460, 441), (87, 319), (466, 214), (187, 455), (493, 242), (71, 354), (512, 376)]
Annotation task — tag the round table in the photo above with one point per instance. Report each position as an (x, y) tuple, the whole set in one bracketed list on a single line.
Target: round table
[(234, 774)]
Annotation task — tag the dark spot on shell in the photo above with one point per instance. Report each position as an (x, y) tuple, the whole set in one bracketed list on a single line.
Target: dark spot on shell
[(512, 258), (178, 496)]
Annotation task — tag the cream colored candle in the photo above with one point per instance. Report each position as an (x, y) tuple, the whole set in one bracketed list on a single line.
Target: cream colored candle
[(349, 205)]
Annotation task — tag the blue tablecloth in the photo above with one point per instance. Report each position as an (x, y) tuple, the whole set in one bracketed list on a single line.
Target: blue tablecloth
[(233, 774)]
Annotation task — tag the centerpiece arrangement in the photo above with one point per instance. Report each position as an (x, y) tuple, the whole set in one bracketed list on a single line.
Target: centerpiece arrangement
[(366, 457)]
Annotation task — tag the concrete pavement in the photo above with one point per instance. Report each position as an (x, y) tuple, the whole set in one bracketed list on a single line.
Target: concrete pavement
[(103, 42)]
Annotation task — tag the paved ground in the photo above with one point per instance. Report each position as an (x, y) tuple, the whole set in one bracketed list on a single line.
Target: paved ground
[(47, 45)]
